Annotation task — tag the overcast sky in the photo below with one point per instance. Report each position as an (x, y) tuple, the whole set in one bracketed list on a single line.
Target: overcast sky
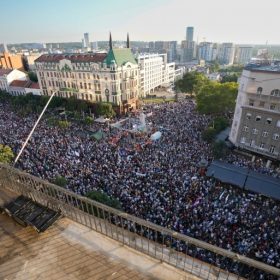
[(239, 21)]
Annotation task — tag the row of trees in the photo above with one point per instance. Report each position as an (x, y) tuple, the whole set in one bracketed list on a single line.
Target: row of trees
[(211, 97), (26, 104)]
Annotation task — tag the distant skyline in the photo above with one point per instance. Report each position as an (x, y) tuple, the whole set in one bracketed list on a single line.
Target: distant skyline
[(239, 21)]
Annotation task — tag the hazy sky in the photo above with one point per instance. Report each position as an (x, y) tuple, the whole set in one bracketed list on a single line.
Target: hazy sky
[(239, 21)]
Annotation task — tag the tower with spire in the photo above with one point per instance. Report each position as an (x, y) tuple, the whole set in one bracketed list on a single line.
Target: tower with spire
[(127, 41), (110, 42)]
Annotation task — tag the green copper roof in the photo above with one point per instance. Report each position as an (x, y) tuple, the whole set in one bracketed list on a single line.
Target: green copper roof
[(121, 56)]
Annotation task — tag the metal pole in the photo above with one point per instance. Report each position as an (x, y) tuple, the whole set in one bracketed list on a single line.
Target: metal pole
[(31, 132)]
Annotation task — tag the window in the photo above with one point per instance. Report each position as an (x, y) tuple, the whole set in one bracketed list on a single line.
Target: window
[(272, 149), (268, 120), (84, 75), (272, 106), (89, 85), (259, 91), (88, 76), (251, 102), (80, 76), (262, 104), (278, 123), (252, 143), (85, 85), (265, 134), (248, 116), (275, 136), (243, 140), (245, 128), (258, 118), (262, 146), (275, 92), (81, 85), (255, 131)]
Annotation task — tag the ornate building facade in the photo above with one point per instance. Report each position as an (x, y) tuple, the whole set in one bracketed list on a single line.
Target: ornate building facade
[(99, 77)]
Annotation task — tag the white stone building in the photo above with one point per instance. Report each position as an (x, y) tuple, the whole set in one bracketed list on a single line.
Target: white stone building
[(155, 72), (256, 122), (18, 87), (7, 76), (112, 77)]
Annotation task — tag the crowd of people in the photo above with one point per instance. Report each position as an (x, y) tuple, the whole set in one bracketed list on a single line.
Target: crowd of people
[(159, 181)]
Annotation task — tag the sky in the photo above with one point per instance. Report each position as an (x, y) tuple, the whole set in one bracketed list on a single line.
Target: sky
[(238, 21)]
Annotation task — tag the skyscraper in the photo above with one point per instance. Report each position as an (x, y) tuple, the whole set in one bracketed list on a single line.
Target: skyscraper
[(226, 54), (86, 41), (189, 34)]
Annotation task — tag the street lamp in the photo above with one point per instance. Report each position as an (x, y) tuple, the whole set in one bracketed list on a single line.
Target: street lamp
[(31, 132)]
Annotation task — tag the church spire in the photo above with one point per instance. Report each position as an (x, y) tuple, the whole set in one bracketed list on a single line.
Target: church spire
[(110, 42), (127, 41)]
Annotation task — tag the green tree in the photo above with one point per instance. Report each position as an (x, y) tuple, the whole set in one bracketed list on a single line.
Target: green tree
[(104, 109), (191, 82), (220, 123), (214, 66), (63, 124), (209, 134), (219, 149), (230, 78), (60, 181), (33, 76), (88, 120), (6, 154), (216, 98), (104, 199)]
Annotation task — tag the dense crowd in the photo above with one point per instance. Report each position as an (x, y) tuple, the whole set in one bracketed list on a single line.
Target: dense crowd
[(159, 181)]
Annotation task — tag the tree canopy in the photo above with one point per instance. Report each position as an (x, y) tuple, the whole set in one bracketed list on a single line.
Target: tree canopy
[(60, 181), (33, 76), (191, 82), (6, 154), (104, 198), (216, 98)]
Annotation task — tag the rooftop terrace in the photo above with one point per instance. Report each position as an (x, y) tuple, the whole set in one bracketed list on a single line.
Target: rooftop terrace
[(69, 250)]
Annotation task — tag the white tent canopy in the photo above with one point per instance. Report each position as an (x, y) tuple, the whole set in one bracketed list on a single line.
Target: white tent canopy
[(101, 120), (155, 136)]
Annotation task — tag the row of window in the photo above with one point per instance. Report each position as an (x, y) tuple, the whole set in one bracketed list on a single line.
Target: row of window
[(86, 75), (274, 92), (262, 146), (258, 119), (264, 134), (272, 106)]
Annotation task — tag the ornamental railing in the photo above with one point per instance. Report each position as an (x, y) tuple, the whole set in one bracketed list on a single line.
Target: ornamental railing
[(183, 252)]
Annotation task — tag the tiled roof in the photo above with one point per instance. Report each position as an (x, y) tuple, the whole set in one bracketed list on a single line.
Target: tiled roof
[(34, 85), (5, 71), (120, 56), (89, 57), (18, 83)]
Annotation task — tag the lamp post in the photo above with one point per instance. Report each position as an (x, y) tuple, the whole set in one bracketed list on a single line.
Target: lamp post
[(31, 132)]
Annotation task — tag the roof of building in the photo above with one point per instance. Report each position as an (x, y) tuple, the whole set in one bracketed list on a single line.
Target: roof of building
[(87, 57), (5, 71), (245, 178), (34, 85), (19, 83), (263, 67), (120, 56)]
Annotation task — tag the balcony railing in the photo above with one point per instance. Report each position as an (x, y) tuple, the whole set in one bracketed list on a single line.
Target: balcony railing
[(184, 252)]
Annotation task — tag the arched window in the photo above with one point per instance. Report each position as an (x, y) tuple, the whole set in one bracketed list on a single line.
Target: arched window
[(275, 92), (259, 91)]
